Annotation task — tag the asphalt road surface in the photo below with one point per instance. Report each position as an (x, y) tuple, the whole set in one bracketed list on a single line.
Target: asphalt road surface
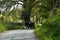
[(18, 35)]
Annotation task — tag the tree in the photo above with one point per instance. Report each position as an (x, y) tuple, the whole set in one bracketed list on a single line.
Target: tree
[(27, 5), (9, 3)]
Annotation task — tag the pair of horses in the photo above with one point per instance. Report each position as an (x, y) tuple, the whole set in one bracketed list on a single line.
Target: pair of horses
[(30, 25)]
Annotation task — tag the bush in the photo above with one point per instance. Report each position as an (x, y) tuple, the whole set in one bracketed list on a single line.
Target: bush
[(50, 29), (12, 26), (2, 28), (9, 26)]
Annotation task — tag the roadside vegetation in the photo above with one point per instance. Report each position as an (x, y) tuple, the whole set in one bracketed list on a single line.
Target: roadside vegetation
[(45, 14), (50, 29)]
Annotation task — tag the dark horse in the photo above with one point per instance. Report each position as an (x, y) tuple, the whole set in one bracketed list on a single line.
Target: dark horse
[(30, 25)]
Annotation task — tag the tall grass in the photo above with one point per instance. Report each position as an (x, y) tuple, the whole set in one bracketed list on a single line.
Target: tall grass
[(50, 29)]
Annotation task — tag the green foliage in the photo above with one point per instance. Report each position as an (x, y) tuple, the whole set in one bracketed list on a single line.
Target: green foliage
[(12, 16), (2, 28), (11, 26), (7, 17), (50, 29)]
